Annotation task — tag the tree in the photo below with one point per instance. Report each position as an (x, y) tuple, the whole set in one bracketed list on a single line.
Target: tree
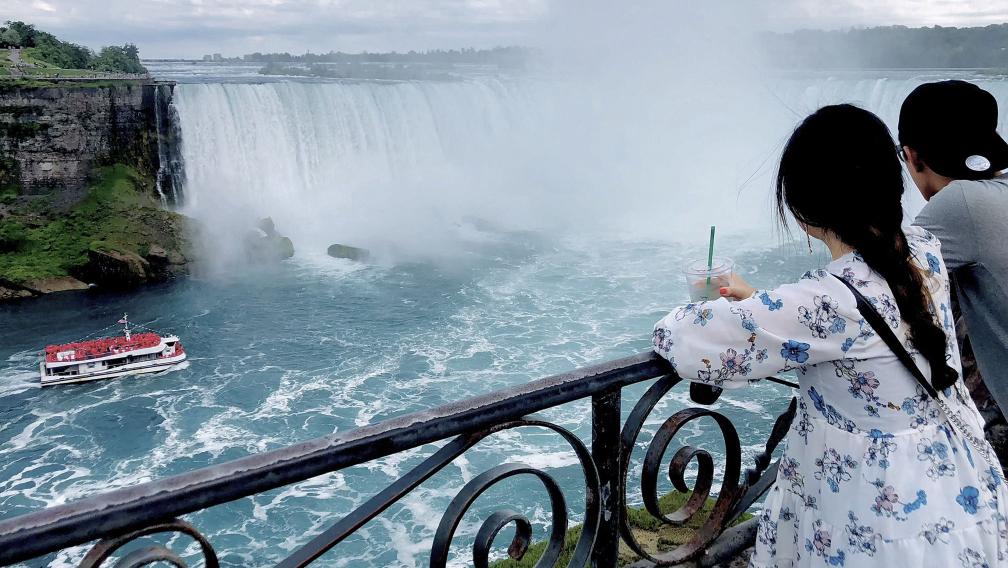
[(62, 54), (10, 38), (122, 59), (26, 32)]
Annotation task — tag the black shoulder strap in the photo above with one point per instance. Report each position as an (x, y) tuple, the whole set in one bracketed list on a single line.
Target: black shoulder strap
[(883, 330)]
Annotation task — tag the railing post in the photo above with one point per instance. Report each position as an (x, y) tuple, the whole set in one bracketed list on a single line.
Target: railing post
[(606, 426)]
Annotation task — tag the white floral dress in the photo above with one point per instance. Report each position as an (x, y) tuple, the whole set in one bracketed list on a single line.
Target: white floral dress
[(871, 473)]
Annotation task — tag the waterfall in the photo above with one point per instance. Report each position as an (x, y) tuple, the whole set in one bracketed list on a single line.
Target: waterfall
[(170, 177), (396, 160), (330, 161), (881, 95)]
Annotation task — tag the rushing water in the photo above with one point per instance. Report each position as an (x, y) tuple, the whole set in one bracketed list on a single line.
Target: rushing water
[(459, 302)]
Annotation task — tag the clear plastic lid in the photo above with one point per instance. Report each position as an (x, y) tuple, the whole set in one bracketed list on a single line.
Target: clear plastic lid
[(720, 265)]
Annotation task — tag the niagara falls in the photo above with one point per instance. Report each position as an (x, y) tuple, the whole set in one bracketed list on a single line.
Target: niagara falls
[(376, 285)]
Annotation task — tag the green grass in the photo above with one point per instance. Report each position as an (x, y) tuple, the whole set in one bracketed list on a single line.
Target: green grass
[(650, 532), (117, 214), (28, 56), (41, 68), (47, 71)]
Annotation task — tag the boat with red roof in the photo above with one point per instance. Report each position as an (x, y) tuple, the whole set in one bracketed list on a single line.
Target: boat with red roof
[(108, 357)]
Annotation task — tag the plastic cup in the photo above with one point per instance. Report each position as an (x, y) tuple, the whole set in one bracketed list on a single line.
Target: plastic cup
[(705, 284)]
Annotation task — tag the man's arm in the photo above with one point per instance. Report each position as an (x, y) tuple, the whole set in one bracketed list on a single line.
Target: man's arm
[(947, 216)]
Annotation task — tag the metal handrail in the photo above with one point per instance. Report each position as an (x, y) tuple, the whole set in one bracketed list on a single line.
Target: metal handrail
[(132, 508)]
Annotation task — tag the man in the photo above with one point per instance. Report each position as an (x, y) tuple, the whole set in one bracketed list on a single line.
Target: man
[(947, 132)]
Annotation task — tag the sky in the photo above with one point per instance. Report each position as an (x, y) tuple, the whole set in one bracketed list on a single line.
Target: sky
[(191, 28)]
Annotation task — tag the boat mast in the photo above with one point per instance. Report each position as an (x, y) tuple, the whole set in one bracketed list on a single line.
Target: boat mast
[(126, 329)]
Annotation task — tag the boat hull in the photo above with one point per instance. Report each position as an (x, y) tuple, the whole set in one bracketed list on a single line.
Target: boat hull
[(140, 368)]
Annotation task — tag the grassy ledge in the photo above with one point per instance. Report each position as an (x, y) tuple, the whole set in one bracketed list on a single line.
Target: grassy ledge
[(38, 241), (649, 531)]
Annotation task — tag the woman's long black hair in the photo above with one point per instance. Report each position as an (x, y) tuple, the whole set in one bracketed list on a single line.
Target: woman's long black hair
[(840, 172)]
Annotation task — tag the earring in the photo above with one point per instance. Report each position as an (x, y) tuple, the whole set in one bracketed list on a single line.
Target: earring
[(807, 236)]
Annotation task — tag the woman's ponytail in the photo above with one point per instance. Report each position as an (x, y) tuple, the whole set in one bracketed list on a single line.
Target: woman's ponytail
[(888, 253), (840, 172)]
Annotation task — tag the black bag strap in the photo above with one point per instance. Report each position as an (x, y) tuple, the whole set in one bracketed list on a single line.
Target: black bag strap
[(877, 322)]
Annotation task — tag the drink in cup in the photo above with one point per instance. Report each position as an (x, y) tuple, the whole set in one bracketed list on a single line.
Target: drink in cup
[(705, 284)]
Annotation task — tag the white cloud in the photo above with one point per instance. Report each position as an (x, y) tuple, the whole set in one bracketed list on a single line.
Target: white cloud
[(43, 6), (845, 13), (193, 27)]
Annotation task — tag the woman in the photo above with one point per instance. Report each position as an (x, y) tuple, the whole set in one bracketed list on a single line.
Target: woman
[(873, 473)]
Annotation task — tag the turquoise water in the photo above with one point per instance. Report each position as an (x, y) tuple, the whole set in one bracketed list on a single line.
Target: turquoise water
[(317, 345)]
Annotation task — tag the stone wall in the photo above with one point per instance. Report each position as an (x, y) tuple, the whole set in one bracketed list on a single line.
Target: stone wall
[(52, 136)]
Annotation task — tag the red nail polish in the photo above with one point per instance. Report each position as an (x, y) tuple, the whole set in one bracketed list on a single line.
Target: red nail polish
[(724, 291)]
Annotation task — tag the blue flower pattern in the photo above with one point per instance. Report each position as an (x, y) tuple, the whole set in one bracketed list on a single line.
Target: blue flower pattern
[(868, 460), (969, 499), (795, 351)]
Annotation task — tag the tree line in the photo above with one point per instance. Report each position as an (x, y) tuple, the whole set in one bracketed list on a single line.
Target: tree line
[(46, 47), (890, 47), (503, 56)]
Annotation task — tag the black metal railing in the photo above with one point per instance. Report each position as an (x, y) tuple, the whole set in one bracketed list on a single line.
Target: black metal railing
[(119, 517)]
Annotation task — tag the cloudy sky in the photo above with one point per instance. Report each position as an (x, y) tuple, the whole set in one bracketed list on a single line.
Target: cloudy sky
[(190, 28)]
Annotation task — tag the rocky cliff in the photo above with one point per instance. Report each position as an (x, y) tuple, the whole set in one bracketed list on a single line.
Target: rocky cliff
[(52, 137)]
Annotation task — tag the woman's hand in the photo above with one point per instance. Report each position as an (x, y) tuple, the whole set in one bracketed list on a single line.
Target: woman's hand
[(739, 289)]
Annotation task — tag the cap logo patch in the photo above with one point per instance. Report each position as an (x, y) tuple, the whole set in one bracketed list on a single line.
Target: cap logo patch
[(978, 163)]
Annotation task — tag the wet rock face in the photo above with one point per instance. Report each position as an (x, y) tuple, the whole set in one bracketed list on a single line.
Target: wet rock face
[(121, 270), (114, 269), (56, 135), (165, 265), (14, 290)]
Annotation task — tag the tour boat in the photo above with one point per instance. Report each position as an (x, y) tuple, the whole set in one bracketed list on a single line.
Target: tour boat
[(108, 357)]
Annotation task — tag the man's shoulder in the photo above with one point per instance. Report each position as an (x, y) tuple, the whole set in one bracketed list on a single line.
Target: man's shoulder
[(976, 193), (947, 207)]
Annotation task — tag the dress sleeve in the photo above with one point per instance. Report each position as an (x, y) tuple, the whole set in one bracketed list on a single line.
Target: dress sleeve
[(729, 344)]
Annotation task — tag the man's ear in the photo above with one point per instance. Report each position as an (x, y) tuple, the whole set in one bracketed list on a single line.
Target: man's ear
[(913, 159)]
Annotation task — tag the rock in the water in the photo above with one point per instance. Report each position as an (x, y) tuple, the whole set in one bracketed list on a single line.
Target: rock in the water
[(285, 247), (348, 252), (267, 226), (260, 246)]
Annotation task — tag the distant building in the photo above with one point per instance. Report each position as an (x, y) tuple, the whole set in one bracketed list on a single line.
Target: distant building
[(217, 57), (208, 57)]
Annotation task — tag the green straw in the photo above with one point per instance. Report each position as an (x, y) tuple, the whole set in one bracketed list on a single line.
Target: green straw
[(710, 255)]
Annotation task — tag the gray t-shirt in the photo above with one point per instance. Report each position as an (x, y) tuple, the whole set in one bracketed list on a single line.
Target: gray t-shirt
[(971, 220)]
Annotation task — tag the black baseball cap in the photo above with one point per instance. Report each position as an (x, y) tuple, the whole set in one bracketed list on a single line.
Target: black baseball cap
[(953, 126)]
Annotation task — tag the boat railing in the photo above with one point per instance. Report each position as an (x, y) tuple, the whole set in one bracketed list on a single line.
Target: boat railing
[(119, 517), (83, 350)]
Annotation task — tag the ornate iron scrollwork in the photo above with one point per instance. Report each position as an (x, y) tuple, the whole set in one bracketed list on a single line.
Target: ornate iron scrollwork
[(657, 448), (732, 498), (496, 522), (149, 554)]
